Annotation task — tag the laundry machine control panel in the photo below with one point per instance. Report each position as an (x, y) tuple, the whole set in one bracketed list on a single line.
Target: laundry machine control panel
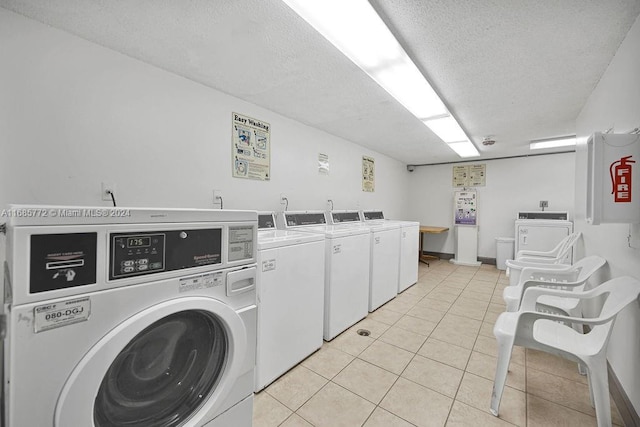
[(340, 217), (293, 219), (371, 215), (136, 254)]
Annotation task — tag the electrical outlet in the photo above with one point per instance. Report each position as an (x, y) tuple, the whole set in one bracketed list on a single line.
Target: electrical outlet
[(544, 203), (217, 197), (107, 188)]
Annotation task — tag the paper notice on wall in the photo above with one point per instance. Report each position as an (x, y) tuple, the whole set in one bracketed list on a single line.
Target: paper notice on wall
[(323, 164), (460, 174), (251, 148), (368, 174), (477, 175), (470, 175)]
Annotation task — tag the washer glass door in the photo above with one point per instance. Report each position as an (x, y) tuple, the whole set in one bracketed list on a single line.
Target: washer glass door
[(165, 373)]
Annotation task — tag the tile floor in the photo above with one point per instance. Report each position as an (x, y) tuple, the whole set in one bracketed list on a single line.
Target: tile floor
[(429, 361)]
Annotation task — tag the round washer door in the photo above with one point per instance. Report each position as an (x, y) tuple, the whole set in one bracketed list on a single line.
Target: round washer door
[(169, 365)]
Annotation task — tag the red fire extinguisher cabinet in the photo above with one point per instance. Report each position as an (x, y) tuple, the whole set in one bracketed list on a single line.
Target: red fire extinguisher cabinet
[(613, 178)]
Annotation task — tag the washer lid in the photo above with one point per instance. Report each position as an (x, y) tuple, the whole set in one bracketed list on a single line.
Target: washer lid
[(268, 239)]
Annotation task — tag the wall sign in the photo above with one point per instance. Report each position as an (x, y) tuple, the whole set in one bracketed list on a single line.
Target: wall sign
[(251, 148), (323, 164), (465, 207), (368, 174), (470, 176)]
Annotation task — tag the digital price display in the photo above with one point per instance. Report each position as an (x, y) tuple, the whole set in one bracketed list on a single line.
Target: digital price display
[(138, 242)]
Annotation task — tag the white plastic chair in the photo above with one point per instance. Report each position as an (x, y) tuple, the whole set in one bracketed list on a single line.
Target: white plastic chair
[(569, 278), (557, 255), (549, 332), (560, 252)]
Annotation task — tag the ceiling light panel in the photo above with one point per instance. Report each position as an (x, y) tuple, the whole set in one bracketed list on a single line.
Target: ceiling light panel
[(464, 149), (553, 143), (447, 128), (355, 28)]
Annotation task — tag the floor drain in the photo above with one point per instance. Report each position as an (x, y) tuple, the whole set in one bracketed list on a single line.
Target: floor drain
[(363, 332)]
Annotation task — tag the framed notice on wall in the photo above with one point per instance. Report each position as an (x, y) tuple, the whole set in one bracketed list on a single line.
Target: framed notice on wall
[(251, 148), (470, 176), (368, 174)]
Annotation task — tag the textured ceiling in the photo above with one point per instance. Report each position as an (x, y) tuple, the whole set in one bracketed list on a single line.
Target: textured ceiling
[(515, 70)]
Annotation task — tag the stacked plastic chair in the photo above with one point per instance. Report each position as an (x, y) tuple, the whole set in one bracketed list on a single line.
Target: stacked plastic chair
[(560, 255), (564, 277), (553, 334)]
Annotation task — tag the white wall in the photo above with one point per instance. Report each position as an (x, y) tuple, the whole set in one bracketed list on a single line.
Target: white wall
[(75, 114), (512, 185), (615, 102)]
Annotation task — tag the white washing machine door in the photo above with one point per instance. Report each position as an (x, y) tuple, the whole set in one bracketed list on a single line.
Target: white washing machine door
[(169, 365)]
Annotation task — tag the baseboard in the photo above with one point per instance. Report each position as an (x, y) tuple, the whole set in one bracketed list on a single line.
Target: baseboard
[(440, 255), (489, 261), (445, 256), (627, 412)]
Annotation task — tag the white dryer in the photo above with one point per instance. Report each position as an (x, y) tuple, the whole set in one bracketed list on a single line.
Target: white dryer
[(290, 298), (122, 317), (409, 244), (542, 230), (385, 255), (346, 277)]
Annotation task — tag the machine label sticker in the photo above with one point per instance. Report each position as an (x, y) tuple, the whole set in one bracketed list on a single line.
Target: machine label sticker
[(269, 265), (203, 281), (240, 243), (337, 248), (59, 314)]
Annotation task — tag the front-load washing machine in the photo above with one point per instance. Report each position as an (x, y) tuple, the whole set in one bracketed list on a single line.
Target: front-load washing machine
[(129, 317), (385, 255), (290, 289), (409, 243), (346, 274)]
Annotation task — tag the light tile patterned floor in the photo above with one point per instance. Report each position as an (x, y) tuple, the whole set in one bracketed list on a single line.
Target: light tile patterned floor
[(429, 361)]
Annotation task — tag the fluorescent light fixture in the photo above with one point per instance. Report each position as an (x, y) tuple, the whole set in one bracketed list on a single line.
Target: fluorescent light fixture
[(356, 29), (553, 143), (447, 128), (464, 149), (406, 84)]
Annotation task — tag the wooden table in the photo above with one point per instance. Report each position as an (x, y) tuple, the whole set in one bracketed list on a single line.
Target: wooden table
[(433, 230)]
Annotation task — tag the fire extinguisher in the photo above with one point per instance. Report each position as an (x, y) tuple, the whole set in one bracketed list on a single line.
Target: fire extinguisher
[(620, 172)]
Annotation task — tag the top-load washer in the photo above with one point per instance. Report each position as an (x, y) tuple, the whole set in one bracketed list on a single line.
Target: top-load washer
[(122, 317), (290, 290), (542, 231), (385, 255), (346, 278), (409, 243)]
